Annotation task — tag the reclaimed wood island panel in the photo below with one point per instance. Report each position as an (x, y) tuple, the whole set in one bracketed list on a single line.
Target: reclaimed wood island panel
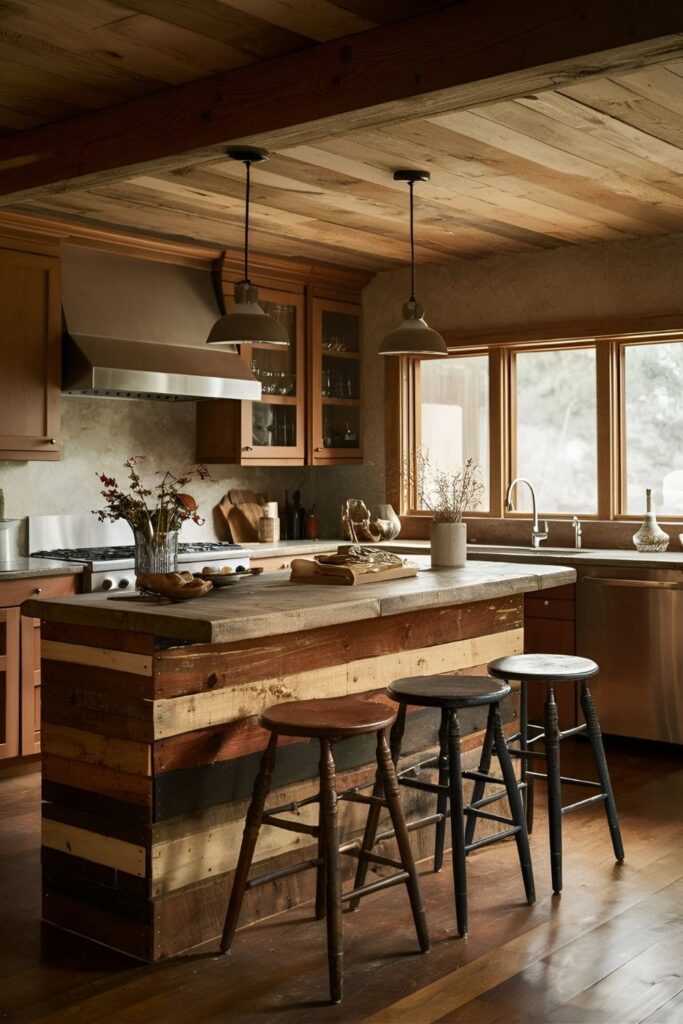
[(151, 738)]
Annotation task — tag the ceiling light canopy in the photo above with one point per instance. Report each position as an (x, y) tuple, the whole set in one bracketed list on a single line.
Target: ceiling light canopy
[(247, 323), (413, 336)]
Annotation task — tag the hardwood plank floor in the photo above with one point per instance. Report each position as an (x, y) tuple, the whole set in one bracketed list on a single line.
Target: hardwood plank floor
[(609, 949)]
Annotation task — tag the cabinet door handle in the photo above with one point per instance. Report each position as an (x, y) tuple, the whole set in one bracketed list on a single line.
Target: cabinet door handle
[(51, 440), (38, 590), (247, 448), (320, 449)]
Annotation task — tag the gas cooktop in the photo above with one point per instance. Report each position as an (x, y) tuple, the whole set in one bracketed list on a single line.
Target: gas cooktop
[(119, 552)]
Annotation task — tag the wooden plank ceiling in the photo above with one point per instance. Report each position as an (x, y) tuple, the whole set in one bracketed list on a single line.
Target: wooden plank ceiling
[(596, 160)]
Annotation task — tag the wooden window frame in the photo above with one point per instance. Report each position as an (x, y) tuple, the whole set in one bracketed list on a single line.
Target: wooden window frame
[(402, 421)]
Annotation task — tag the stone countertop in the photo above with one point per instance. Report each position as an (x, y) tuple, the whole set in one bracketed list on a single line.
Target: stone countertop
[(27, 568), (270, 604), (554, 555)]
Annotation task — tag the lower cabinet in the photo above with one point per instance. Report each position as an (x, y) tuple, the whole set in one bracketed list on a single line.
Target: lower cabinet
[(550, 628), (20, 663)]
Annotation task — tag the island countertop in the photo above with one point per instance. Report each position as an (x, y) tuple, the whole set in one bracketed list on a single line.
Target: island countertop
[(271, 604)]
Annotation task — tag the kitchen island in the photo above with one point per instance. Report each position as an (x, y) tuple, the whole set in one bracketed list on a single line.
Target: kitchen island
[(151, 739)]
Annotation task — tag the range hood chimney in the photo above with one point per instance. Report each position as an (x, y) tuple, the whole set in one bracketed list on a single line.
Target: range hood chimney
[(136, 328)]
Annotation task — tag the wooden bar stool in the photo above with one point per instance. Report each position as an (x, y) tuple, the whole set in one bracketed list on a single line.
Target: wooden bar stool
[(451, 694), (551, 670), (329, 721)]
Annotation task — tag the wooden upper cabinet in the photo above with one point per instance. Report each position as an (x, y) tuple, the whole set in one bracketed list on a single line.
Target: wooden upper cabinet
[(310, 409), (271, 431), (30, 356), (335, 405)]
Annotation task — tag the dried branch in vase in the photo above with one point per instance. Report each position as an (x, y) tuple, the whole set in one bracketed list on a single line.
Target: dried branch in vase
[(447, 495)]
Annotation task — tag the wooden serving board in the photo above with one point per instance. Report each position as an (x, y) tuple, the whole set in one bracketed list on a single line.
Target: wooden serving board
[(349, 576)]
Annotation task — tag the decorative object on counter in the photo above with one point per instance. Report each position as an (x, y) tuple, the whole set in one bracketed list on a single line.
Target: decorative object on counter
[(388, 522), (447, 495), (154, 514), (353, 564), (650, 536), (268, 530), (356, 522), (312, 525), (247, 323), (175, 586), (226, 575), (9, 529), (413, 336), (241, 512)]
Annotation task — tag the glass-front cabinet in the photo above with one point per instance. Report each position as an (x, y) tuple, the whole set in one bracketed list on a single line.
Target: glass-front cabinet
[(272, 430), (335, 390)]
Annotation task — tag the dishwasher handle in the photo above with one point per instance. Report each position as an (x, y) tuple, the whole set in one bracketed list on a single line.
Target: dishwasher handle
[(647, 584)]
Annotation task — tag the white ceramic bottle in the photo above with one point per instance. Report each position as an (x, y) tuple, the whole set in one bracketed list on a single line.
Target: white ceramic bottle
[(650, 536)]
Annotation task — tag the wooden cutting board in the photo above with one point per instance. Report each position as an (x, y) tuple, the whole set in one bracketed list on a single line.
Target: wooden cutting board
[(241, 520), (305, 570)]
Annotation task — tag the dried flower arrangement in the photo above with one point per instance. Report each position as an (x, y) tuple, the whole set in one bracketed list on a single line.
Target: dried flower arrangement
[(152, 511), (445, 494)]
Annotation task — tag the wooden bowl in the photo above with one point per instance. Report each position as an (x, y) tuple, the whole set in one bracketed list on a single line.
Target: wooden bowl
[(177, 586)]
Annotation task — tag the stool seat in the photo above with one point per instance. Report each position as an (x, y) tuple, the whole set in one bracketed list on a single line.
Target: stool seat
[(546, 668), (448, 691), (330, 718)]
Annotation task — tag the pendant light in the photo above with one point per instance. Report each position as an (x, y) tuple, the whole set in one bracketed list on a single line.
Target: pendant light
[(413, 336), (247, 323)]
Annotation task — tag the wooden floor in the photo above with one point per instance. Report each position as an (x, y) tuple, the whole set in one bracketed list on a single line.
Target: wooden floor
[(609, 949)]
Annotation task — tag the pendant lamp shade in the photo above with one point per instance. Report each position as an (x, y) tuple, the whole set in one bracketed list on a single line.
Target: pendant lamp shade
[(247, 322), (413, 336)]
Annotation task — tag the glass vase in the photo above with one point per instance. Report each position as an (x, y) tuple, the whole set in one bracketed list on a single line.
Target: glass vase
[(156, 552)]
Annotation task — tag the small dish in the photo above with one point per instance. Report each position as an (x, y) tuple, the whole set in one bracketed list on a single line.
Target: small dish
[(219, 580)]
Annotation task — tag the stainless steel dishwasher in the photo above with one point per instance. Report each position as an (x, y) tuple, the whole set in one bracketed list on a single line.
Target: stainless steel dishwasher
[(631, 622)]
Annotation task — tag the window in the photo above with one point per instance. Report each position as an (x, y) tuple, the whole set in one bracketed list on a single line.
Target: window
[(653, 426), (556, 429), (454, 413)]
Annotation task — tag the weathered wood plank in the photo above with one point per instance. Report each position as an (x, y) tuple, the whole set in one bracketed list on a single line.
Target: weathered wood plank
[(182, 670), (95, 748), (134, 789), (119, 815), (97, 636), (97, 720), (107, 850), (199, 711), (97, 657)]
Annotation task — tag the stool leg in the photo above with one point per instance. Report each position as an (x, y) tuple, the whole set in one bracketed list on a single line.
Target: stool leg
[(516, 804), (595, 737), (320, 875), (552, 745), (328, 822), (250, 835), (387, 773), (528, 783), (479, 784), (442, 798), (372, 820), (457, 822)]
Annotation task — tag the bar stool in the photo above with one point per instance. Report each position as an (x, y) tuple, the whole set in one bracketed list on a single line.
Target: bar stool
[(329, 721), (451, 694), (551, 670)]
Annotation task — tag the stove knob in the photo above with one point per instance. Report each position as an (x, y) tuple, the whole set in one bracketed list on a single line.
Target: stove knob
[(124, 584), (107, 583)]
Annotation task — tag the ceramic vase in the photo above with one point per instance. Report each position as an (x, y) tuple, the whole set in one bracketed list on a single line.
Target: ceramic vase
[(650, 536), (448, 545), (389, 522), (156, 552)]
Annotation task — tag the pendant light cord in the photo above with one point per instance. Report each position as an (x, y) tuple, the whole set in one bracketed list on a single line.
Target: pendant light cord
[(411, 185), (247, 164)]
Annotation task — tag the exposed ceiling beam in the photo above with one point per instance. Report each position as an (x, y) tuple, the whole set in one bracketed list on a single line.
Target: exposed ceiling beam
[(480, 51)]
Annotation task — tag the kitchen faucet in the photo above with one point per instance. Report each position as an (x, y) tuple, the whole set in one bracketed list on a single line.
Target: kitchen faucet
[(537, 534)]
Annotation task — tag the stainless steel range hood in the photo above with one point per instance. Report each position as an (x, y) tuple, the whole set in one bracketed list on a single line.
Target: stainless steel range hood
[(137, 328)]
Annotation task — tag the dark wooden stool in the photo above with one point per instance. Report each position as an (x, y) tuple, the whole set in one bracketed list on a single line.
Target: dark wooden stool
[(551, 670), (328, 721), (451, 694)]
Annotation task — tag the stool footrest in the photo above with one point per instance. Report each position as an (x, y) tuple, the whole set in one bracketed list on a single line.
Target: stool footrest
[(493, 798), (584, 803), (527, 753), (361, 798), (487, 840), (483, 777), (290, 826), (490, 816), (566, 779), (426, 787), (431, 819), (273, 876), (381, 883), (373, 858), (294, 805), (574, 731)]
